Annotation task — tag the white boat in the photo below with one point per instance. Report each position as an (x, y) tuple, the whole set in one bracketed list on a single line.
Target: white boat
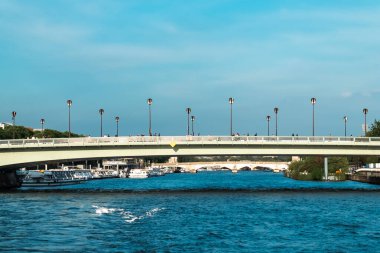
[(100, 173), (82, 175), (47, 178), (155, 172), (123, 174), (138, 173)]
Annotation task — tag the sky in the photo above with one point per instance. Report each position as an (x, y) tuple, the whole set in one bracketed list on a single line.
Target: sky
[(263, 53)]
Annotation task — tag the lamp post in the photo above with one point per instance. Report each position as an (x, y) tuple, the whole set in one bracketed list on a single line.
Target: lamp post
[(42, 121), (313, 101), (101, 112), (14, 123), (150, 101), (192, 124), (276, 112), (188, 110), (268, 119), (365, 111), (69, 103), (231, 101), (345, 125), (117, 119)]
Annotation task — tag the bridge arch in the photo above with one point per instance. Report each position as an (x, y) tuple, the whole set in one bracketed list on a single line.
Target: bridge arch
[(225, 168), (200, 168), (244, 168)]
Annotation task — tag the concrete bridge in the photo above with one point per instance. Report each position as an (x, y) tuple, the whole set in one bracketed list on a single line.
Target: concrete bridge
[(18, 153), (234, 166), (15, 153)]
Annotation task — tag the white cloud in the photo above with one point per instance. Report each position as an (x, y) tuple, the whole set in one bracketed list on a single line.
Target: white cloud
[(347, 94), (297, 59)]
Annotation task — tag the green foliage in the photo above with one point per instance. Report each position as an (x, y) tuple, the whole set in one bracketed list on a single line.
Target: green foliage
[(371, 159), (25, 133), (18, 131), (338, 163), (50, 133), (311, 168), (374, 129)]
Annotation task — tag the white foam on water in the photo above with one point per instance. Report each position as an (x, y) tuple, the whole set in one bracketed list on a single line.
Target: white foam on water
[(105, 210), (153, 211), (127, 216), (130, 218)]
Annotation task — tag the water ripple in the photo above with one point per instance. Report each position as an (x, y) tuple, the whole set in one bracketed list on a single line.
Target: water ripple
[(250, 212)]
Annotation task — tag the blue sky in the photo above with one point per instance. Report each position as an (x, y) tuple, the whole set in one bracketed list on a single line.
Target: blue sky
[(116, 54)]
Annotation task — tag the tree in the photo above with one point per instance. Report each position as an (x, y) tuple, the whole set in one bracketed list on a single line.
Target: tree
[(19, 131), (374, 129), (25, 133), (312, 167), (338, 164)]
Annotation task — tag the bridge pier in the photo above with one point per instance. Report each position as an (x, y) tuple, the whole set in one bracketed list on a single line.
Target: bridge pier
[(234, 169), (8, 180), (326, 168)]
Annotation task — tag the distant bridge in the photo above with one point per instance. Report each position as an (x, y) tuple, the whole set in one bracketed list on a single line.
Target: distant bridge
[(16, 153), (230, 165)]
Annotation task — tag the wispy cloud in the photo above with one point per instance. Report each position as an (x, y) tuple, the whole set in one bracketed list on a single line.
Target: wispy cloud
[(347, 94), (273, 52)]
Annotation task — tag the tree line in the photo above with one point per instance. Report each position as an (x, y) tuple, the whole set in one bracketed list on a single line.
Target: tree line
[(20, 132)]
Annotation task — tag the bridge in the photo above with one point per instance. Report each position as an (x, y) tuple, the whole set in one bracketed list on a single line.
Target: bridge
[(18, 153), (15, 153), (234, 166)]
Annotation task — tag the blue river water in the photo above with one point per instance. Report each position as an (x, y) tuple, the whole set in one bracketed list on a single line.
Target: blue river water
[(203, 212)]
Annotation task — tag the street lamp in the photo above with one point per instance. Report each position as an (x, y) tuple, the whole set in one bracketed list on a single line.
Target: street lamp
[(42, 121), (150, 101), (268, 119), (69, 103), (188, 110), (231, 101), (365, 111), (313, 101), (101, 112), (192, 124), (276, 112), (345, 125), (14, 123), (117, 119)]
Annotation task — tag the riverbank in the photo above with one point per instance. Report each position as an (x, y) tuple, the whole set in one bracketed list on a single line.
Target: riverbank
[(365, 175), (314, 169), (305, 176)]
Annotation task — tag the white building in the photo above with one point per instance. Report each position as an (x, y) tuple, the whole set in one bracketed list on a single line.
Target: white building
[(4, 124)]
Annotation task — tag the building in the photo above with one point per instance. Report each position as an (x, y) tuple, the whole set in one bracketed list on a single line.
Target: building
[(4, 124)]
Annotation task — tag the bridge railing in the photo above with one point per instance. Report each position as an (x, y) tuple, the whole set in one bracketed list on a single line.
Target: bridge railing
[(156, 140)]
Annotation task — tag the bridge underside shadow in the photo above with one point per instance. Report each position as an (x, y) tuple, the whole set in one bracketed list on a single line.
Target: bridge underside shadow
[(9, 180)]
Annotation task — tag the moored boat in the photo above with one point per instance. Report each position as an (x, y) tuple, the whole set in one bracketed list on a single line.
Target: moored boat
[(138, 173), (155, 172), (47, 178)]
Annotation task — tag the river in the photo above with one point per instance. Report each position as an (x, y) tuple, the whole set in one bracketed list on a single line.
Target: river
[(204, 212)]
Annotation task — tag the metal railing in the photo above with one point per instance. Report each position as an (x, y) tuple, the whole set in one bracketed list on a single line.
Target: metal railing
[(176, 140)]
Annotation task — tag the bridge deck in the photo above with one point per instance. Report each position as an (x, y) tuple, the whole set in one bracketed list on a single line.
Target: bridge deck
[(21, 152), (188, 140)]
